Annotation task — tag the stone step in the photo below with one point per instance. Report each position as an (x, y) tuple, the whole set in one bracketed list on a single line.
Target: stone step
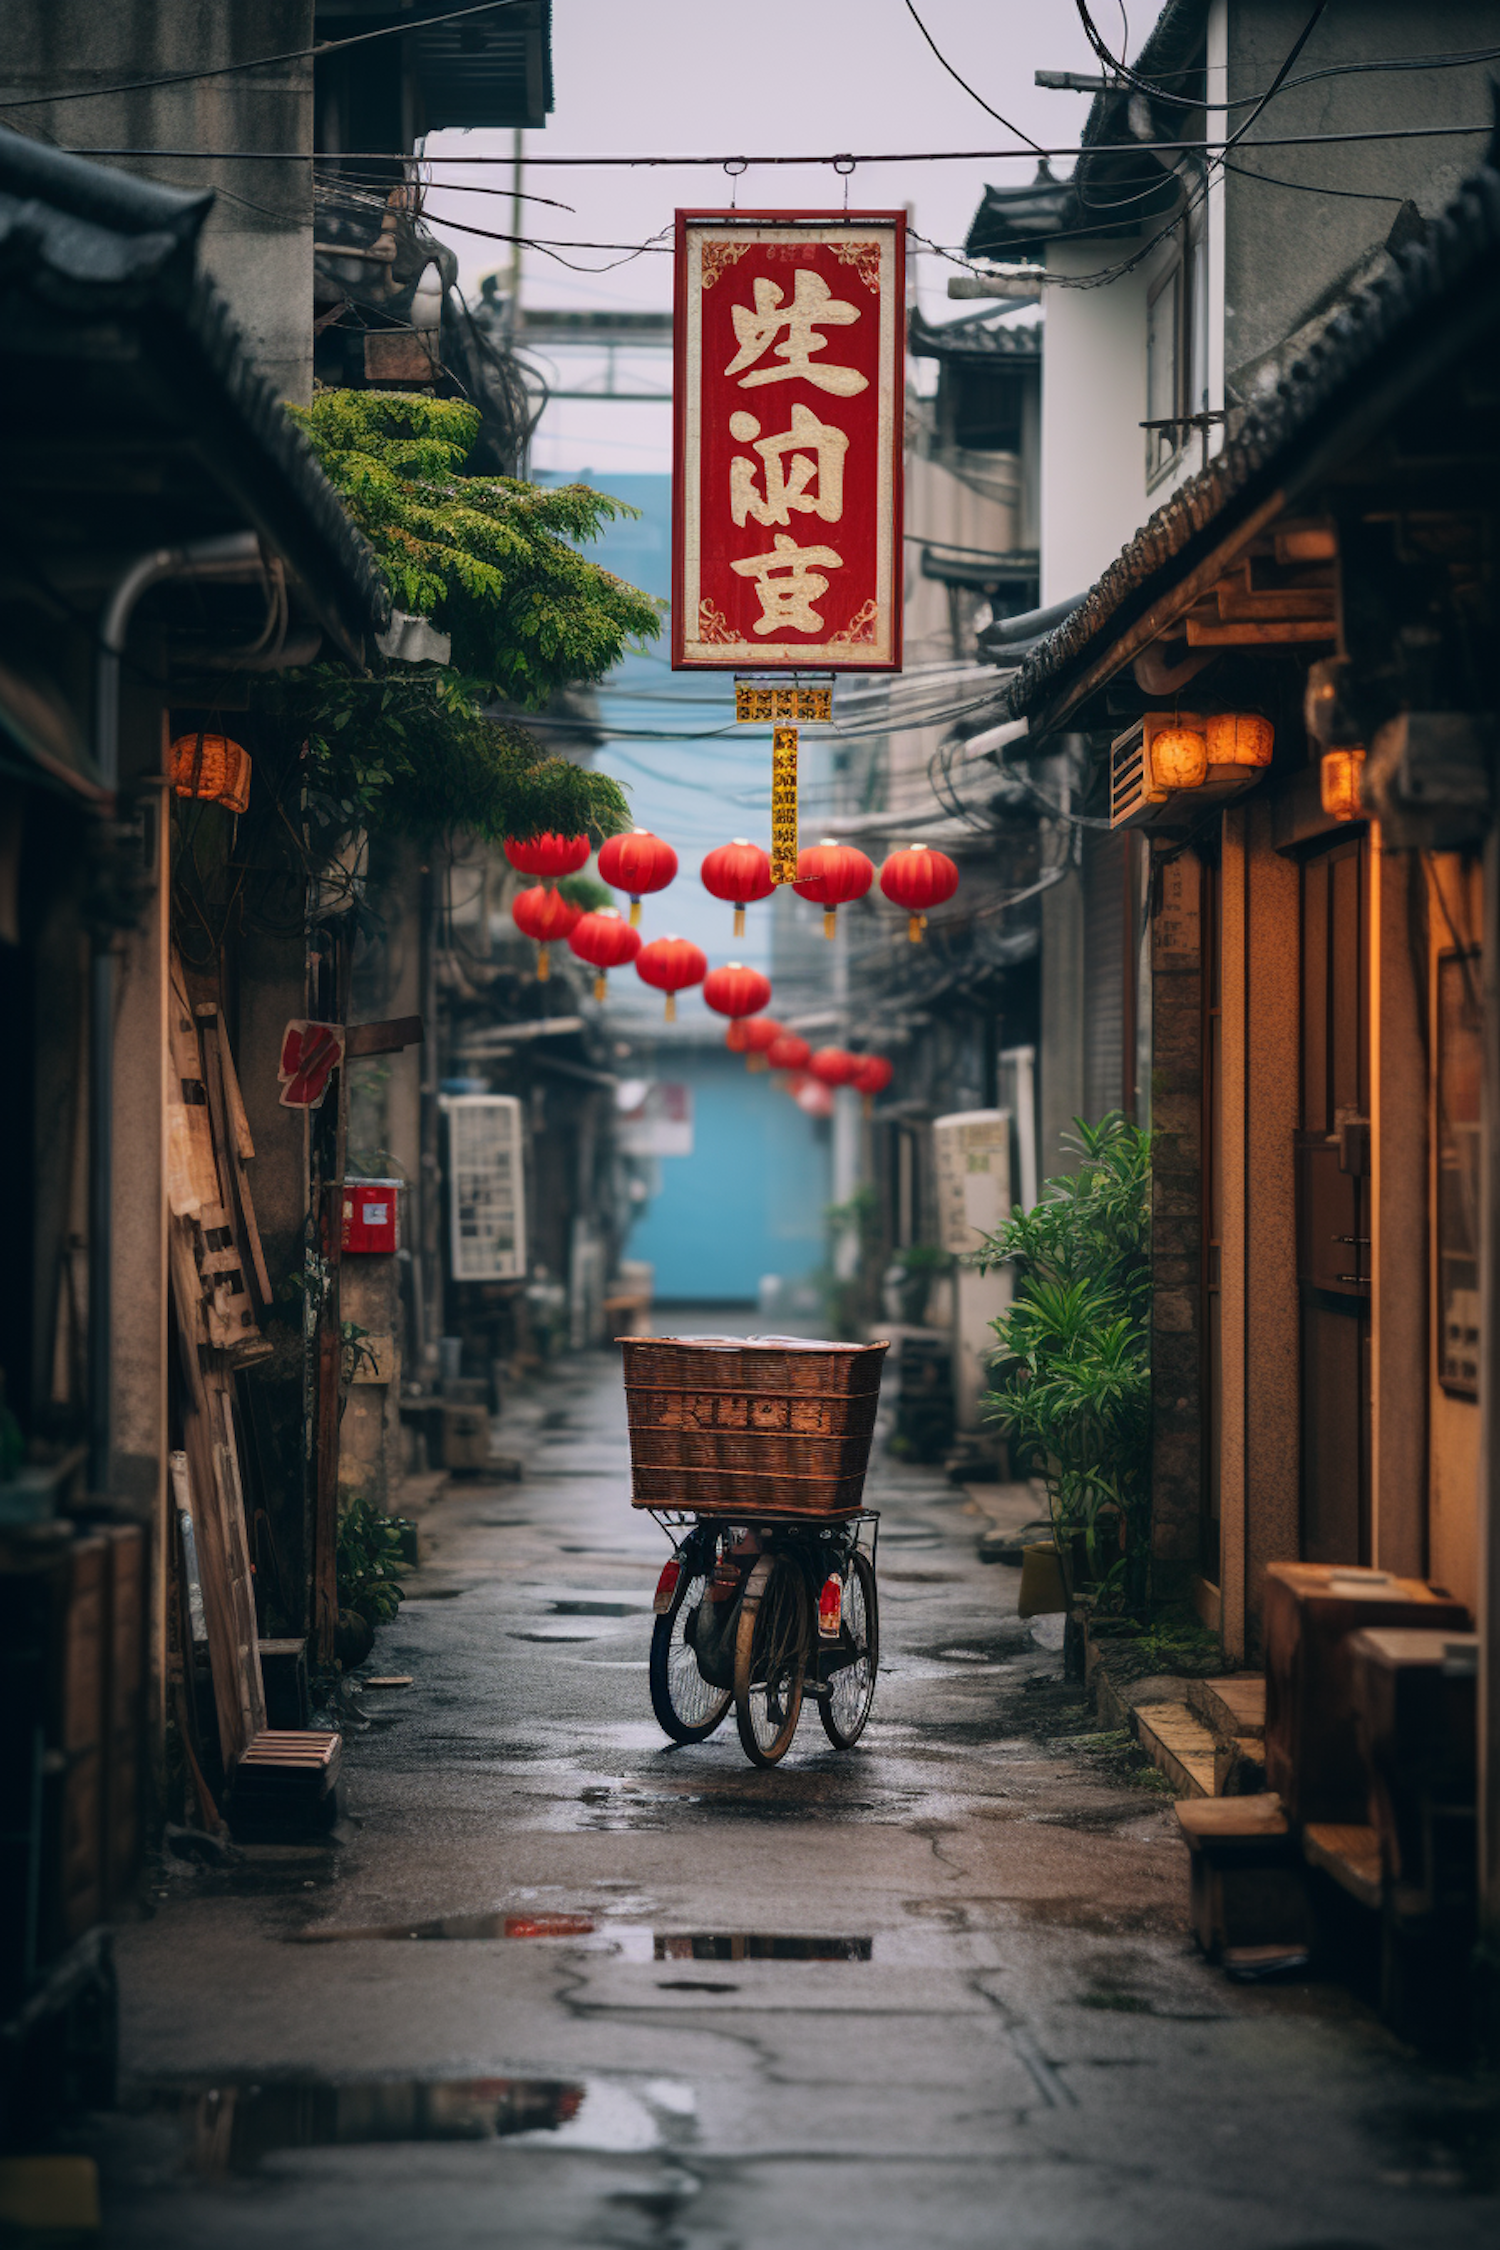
[(1233, 1708), (1177, 1741)]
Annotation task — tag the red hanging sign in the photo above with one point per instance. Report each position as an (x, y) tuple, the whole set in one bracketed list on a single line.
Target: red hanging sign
[(789, 381)]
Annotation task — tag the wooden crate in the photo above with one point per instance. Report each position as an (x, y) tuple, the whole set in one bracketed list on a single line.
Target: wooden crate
[(1313, 1760), (1415, 1697), (724, 1428), (1247, 1886)]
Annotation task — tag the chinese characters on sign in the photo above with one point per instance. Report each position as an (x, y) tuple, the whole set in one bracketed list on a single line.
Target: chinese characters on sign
[(784, 805), (788, 393)]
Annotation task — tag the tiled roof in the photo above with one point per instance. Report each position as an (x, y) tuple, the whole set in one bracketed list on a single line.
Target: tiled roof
[(979, 336), (88, 242), (1431, 295)]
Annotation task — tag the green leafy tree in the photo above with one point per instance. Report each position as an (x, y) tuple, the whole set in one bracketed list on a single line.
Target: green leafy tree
[(1074, 1367), (489, 560)]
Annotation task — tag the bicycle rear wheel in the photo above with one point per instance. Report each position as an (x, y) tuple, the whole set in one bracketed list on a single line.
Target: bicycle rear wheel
[(851, 1689), (687, 1706), (770, 1659)]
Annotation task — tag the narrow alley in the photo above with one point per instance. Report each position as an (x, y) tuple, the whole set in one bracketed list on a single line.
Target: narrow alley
[(937, 1991)]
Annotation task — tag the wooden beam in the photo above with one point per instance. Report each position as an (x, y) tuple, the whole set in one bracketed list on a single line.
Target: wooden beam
[(1250, 634), (1288, 604), (382, 1038)]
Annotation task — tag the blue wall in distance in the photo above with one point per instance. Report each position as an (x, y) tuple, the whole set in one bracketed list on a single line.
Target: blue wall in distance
[(751, 1197)]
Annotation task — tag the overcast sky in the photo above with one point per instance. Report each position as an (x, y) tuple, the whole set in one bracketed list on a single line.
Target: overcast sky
[(714, 77)]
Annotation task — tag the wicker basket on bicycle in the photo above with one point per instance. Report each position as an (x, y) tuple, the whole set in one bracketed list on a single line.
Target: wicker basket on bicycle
[(746, 1429)]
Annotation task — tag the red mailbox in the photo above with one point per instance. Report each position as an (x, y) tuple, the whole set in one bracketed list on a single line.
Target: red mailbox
[(369, 1222)]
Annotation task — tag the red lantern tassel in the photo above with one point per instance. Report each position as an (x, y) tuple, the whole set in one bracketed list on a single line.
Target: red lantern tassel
[(543, 964), (599, 986), (830, 920), (635, 914), (739, 921), (915, 925), (671, 1007)]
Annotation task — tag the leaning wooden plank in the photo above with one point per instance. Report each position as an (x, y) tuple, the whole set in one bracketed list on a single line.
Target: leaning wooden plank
[(219, 1528), (234, 1100), (219, 1078)]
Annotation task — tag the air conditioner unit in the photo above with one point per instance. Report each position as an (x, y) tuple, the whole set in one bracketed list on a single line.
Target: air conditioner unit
[(1135, 801), (486, 1188)]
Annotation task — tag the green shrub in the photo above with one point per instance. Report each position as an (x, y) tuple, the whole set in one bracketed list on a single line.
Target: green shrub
[(1074, 1366), (370, 1558)]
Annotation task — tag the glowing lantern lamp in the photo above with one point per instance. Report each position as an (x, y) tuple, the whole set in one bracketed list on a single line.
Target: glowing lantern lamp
[(751, 1037), (605, 942), (1240, 738), (918, 878), (1179, 758), (739, 873), (548, 855), (874, 1074), (835, 1066), (637, 864), (832, 874), (735, 990), (788, 1052), (671, 964), (545, 917), (212, 767), (1339, 775)]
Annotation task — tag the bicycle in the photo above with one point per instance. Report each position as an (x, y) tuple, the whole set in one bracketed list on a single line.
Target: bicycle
[(758, 1613)]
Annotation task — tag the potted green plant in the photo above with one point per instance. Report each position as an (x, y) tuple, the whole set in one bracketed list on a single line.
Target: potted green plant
[(1073, 1370)]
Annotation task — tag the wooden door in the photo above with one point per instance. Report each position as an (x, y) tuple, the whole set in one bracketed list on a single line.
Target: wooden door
[(1332, 1163)]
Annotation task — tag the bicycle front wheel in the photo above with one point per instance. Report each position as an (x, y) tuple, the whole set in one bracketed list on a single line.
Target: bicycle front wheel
[(770, 1659), (851, 1687), (687, 1706)]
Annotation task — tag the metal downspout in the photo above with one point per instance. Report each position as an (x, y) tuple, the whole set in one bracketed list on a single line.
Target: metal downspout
[(114, 630)]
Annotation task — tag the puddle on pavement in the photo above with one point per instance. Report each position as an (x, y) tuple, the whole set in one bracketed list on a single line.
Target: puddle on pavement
[(229, 2129), (603, 1606), (759, 1945), (472, 1926)]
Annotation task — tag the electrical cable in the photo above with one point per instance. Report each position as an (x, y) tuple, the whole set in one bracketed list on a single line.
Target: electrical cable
[(968, 89), (1484, 127)]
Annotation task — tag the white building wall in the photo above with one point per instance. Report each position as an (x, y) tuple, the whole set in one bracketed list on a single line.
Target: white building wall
[(1093, 403)]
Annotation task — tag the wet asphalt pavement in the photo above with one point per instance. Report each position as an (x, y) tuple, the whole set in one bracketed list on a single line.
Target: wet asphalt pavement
[(558, 1983)]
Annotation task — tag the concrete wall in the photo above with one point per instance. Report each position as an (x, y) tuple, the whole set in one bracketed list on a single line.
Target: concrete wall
[(258, 240), (1093, 402), (1285, 249), (750, 1199)]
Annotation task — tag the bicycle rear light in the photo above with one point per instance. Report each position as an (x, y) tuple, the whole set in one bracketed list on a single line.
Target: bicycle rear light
[(830, 1608), (666, 1586)]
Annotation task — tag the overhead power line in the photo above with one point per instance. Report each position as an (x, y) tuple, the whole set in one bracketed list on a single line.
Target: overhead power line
[(845, 158)]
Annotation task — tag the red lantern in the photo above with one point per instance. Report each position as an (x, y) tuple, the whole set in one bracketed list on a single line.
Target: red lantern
[(811, 1095), (874, 1074), (637, 863), (735, 990), (671, 964), (741, 873), (605, 942), (752, 1037), (547, 856), (832, 874), (917, 878), (788, 1052), (834, 1065), (545, 916)]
